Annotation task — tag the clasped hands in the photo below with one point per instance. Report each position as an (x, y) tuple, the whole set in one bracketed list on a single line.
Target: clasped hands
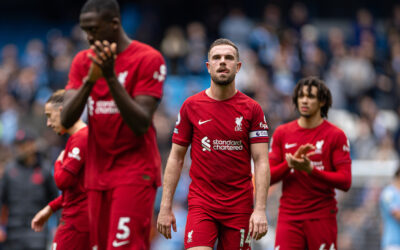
[(300, 159), (103, 61)]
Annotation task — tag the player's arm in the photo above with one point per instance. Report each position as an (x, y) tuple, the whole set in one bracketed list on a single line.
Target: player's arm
[(137, 112), (40, 219), (66, 169), (340, 179), (258, 221), (75, 100), (278, 166), (278, 171), (64, 178), (166, 217)]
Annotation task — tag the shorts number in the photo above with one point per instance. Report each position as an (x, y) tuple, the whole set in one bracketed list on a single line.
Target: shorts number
[(124, 228), (242, 241), (322, 247)]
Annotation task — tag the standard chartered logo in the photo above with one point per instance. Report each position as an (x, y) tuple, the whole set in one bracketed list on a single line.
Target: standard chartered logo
[(205, 143), (102, 107), (221, 145)]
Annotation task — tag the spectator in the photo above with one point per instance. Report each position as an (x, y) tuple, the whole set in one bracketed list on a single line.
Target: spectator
[(26, 187)]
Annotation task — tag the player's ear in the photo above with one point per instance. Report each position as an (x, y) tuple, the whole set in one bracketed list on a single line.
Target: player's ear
[(115, 23), (238, 66), (208, 67)]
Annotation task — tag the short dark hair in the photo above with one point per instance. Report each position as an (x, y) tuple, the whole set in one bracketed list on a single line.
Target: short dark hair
[(108, 9), (323, 93), (223, 41), (57, 98)]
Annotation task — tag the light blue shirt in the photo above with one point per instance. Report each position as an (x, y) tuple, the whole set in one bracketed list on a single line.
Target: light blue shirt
[(389, 201)]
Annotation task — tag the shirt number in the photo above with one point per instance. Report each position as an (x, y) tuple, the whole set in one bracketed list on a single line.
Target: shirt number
[(124, 228)]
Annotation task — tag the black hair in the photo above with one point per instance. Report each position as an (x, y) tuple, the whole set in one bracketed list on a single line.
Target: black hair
[(323, 93), (108, 9), (224, 41)]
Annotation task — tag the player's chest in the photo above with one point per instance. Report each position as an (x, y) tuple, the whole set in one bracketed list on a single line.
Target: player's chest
[(221, 121), (321, 154), (125, 75)]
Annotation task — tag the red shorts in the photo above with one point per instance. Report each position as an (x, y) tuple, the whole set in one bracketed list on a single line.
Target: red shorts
[(68, 237), (203, 227), (121, 218), (314, 234)]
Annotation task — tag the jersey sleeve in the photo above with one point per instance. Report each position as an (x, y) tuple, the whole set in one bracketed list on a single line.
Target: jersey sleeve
[(77, 71), (56, 204), (183, 129), (341, 177), (74, 158), (388, 200), (151, 76), (258, 128), (278, 165), (341, 150), (63, 178)]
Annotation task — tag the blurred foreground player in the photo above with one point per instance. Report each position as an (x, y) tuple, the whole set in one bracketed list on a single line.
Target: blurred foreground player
[(225, 129), (73, 230), (312, 157), (121, 82)]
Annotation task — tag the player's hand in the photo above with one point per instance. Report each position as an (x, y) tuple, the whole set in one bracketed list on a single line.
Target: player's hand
[(41, 218), (94, 72), (61, 156), (258, 224), (106, 53), (301, 164), (303, 150), (166, 219)]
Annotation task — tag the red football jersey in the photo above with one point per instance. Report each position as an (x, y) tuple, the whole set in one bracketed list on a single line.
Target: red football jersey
[(117, 155), (308, 196), (220, 133), (74, 198)]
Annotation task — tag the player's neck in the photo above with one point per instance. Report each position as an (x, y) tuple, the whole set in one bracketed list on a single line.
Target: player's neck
[(221, 92), (310, 122), (123, 42), (76, 127)]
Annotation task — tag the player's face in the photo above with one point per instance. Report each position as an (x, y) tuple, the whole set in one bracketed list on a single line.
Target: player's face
[(96, 28), (223, 64), (308, 102), (53, 114)]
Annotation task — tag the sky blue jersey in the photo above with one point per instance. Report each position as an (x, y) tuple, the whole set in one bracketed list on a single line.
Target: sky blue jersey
[(389, 201)]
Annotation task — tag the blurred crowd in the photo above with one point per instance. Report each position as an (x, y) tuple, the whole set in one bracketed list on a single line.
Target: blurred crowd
[(359, 60)]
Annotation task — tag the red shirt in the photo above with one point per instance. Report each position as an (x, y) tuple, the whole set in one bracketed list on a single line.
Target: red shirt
[(220, 133), (117, 155), (309, 196), (74, 198)]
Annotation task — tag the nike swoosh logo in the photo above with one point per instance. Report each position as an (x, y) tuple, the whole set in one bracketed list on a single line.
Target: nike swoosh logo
[(287, 145), (121, 243), (202, 122)]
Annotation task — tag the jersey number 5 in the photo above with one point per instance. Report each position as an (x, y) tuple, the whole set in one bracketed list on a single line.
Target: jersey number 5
[(123, 228)]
